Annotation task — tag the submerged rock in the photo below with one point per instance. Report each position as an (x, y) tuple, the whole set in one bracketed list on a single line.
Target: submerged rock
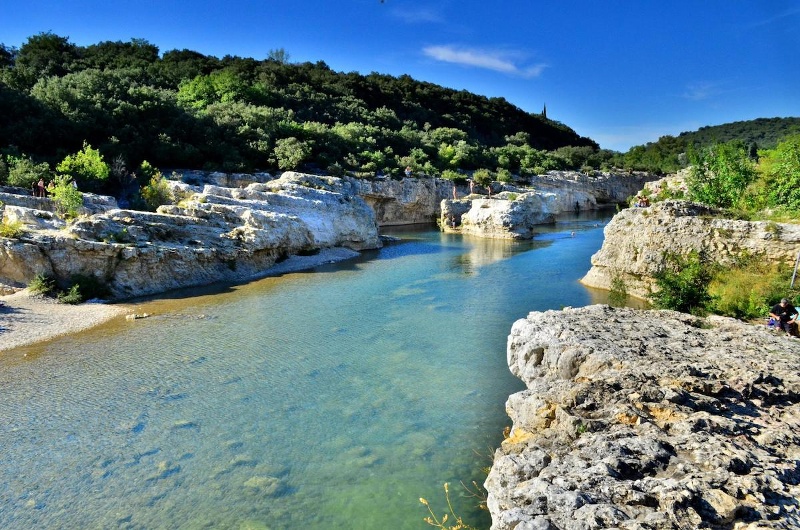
[(648, 419)]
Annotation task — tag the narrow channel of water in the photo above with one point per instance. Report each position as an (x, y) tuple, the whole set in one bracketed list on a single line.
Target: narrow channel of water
[(329, 399)]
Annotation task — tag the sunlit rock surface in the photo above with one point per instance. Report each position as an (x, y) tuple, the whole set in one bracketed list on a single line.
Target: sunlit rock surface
[(648, 420), (217, 234)]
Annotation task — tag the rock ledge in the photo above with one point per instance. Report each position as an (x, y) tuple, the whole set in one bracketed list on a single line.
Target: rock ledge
[(648, 420)]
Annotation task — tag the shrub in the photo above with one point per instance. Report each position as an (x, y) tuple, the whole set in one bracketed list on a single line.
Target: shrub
[(23, 172), (86, 166), (749, 288), (71, 296), (618, 294), (482, 177), (683, 283), (11, 229), (66, 196), (41, 284), (156, 192)]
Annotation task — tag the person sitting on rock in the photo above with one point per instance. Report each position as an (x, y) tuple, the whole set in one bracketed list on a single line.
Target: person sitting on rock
[(786, 316)]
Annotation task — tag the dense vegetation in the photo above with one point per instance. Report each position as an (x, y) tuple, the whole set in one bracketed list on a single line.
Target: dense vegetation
[(188, 110), (764, 186), (671, 153)]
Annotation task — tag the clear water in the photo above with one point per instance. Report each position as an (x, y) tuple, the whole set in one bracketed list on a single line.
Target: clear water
[(331, 400)]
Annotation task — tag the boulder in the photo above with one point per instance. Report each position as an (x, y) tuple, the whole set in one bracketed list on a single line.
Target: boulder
[(648, 419)]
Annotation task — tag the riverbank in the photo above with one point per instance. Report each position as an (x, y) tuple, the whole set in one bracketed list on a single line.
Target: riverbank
[(27, 319)]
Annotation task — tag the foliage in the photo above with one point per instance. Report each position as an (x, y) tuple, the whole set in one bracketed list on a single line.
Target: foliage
[(290, 152), (683, 283), (66, 196), (41, 284), (433, 520), (86, 167), (11, 229), (482, 177), (618, 294), (24, 172), (783, 174), (71, 296), (720, 174), (156, 192)]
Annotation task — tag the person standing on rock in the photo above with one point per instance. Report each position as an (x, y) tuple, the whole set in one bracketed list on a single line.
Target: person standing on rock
[(786, 315)]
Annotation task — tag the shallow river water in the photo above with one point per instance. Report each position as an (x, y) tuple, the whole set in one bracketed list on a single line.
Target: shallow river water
[(327, 399)]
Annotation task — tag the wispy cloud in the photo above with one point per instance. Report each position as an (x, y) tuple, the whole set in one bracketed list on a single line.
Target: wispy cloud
[(417, 16), (499, 61), (779, 16), (700, 91)]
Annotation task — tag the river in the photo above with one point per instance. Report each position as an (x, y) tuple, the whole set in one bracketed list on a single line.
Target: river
[(326, 399)]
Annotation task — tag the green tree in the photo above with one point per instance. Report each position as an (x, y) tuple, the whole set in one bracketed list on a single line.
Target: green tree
[(683, 283), (86, 166), (783, 176), (291, 152), (156, 192), (720, 174), (23, 171), (43, 55), (67, 198)]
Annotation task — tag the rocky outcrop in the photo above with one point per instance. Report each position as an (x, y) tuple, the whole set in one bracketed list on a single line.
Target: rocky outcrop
[(648, 420), (419, 200), (218, 234), (509, 215), (636, 240)]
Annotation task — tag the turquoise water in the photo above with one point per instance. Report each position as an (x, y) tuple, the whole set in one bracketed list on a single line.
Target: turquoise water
[(331, 399)]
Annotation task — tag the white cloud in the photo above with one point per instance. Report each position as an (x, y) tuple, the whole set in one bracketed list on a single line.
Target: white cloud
[(417, 16), (499, 61), (700, 91)]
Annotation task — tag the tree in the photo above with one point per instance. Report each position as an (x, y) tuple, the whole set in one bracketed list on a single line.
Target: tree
[(66, 196), (86, 166), (23, 171), (720, 174), (291, 152), (280, 56), (43, 55), (683, 283), (783, 176)]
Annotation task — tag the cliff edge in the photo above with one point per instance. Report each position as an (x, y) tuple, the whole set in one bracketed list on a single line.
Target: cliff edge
[(648, 420)]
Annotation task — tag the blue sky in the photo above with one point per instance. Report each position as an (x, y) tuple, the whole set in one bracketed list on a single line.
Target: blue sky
[(620, 72)]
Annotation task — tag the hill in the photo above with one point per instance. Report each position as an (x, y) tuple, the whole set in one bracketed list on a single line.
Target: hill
[(668, 153), (185, 109)]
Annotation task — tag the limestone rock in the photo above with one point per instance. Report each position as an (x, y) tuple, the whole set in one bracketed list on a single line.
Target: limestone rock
[(219, 234), (636, 239), (648, 419)]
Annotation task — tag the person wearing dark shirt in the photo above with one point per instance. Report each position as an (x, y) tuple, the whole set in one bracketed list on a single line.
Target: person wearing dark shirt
[(786, 315)]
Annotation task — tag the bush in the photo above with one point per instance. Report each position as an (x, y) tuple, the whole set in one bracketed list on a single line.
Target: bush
[(156, 192), (67, 197), (482, 177), (748, 289), (86, 166), (683, 284), (41, 284), (71, 296), (11, 229), (24, 172)]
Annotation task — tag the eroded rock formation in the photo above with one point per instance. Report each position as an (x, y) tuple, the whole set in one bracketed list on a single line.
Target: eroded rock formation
[(216, 234), (636, 240), (648, 420)]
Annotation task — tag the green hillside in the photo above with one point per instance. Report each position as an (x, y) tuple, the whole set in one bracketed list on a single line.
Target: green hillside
[(668, 154), (184, 109)]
